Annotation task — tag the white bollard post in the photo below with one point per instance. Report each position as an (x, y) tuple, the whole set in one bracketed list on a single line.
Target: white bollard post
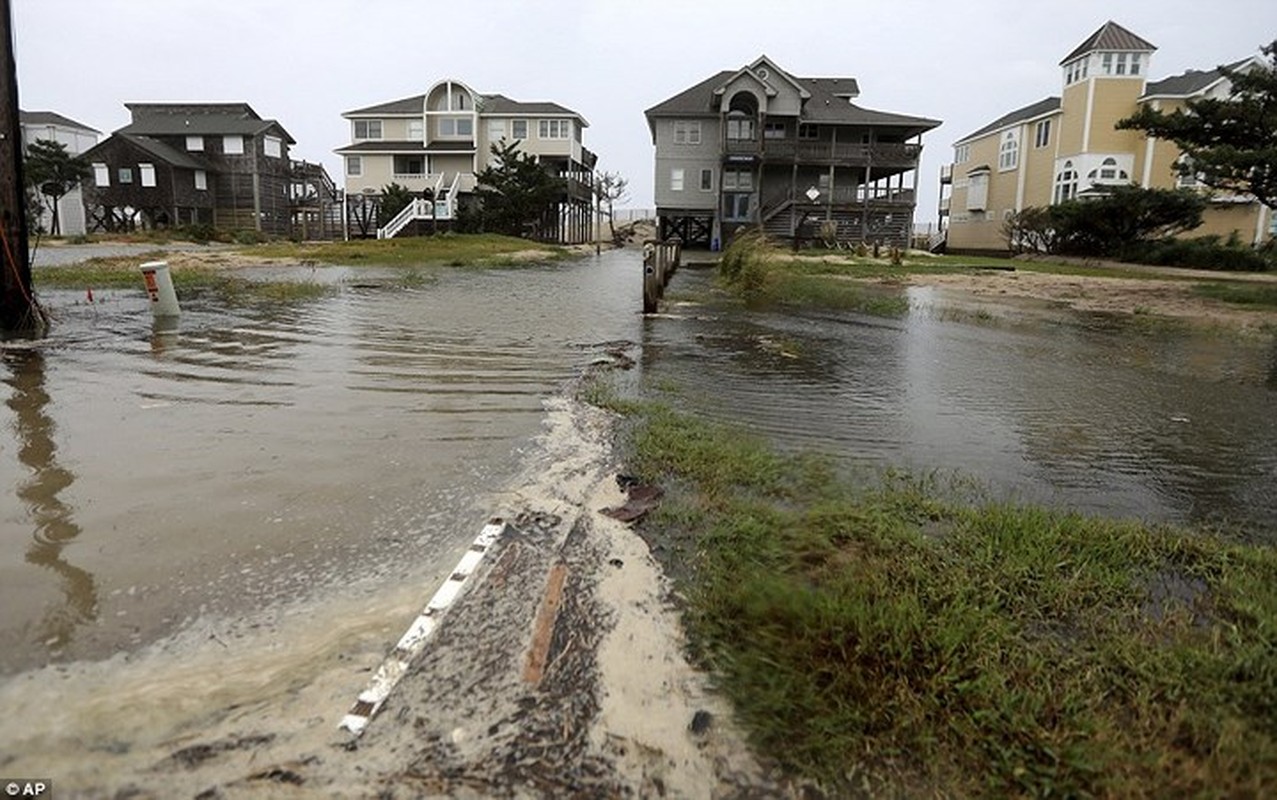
[(159, 286)]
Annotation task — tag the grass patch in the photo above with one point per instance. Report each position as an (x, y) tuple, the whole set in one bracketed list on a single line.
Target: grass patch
[(905, 637), (122, 273), (1251, 295), (460, 250)]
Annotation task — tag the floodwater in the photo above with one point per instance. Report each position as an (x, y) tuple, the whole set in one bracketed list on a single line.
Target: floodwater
[(1088, 412), (263, 454)]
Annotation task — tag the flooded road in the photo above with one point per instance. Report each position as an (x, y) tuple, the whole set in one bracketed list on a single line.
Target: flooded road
[(266, 452)]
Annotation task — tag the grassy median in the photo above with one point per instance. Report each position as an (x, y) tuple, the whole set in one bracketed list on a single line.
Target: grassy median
[(907, 637)]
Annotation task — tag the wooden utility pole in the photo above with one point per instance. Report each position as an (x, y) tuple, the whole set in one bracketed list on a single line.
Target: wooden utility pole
[(18, 310)]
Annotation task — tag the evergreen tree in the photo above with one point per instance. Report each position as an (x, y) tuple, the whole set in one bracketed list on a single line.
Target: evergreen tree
[(516, 191), (53, 173), (1229, 143)]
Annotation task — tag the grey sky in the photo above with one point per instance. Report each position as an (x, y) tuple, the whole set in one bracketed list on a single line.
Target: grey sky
[(303, 62)]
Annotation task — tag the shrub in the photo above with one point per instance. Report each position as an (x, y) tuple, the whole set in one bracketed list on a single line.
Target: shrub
[(1202, 252)]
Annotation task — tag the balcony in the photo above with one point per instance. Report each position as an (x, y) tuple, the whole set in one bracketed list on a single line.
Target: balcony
[(842, 154), (742, 149), (946, 174)]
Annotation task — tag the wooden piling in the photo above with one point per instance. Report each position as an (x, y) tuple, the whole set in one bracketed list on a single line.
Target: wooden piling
[(660, 260)]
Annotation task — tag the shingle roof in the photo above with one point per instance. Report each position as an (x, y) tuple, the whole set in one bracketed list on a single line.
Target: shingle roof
[(492, 104), (155, 148), (51, 118), (827, 103), (167, 154), (1110, 36), (1044, 106), (1188, 83), (200, 122)]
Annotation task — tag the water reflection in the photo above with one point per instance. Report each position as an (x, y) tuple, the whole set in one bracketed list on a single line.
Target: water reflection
[(52, 518)]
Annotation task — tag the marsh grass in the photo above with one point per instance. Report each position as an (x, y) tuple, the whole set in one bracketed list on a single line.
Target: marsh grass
[(123, 273), (899, 633), (1250, 295), (448, 249)]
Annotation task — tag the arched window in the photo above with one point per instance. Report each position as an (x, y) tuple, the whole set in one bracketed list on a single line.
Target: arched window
[(1009, 153), (742, 117), (1065, 183)]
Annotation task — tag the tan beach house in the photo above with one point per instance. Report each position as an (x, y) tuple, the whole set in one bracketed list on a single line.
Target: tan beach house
[(434, 143), (1067, 146)]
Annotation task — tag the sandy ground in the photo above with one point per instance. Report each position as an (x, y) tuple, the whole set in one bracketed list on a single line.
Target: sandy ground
[(1166, 292)]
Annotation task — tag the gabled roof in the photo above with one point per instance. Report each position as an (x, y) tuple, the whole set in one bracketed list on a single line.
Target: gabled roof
[(492, 104), (51, 118), (155, 148), (1190, 82), (826, 101), (198, 119), (1045, 106), (1110, 36)]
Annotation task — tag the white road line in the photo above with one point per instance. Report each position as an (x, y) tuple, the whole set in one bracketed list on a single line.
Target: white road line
[(414, 641)]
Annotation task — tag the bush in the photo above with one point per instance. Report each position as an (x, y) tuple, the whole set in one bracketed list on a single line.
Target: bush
[(247, 236), (746, 265), (1203, 252)]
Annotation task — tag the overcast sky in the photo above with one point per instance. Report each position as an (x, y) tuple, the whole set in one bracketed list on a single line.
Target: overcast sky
[(304, 62)]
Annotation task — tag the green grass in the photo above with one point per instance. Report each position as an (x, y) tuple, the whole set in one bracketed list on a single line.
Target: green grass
[(122, 273), (915, 639), (448, 249), (1251, 295)]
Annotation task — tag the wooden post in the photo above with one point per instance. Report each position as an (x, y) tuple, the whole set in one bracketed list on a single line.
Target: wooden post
[(19, 312)]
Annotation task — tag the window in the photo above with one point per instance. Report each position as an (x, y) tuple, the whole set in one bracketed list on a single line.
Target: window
[(774, 130), (1121, 64), (554, 128), (195, 143), (1135, 63), (1186, 177), (1108, 169), (101, 176), (496, 130), (740, 128), (201, 179), (1065, 183), (367, 129), (707, 180), (416, 130), (676, 180), (741, 180), (1042, 134), (736, 207), (410, 165), (456, 127), (519, 128), (1075, 71), (273, 146), (1106, 63), (687, 131), (146, 173), (1009, 152), (354, 166), (962, 154), (978, 191), (124, 175), (233, 145), (808, 131)]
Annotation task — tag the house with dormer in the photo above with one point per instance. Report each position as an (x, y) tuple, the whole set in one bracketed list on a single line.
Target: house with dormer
[(434, 144), (218, 164), (1067, 146), (759, 146)]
